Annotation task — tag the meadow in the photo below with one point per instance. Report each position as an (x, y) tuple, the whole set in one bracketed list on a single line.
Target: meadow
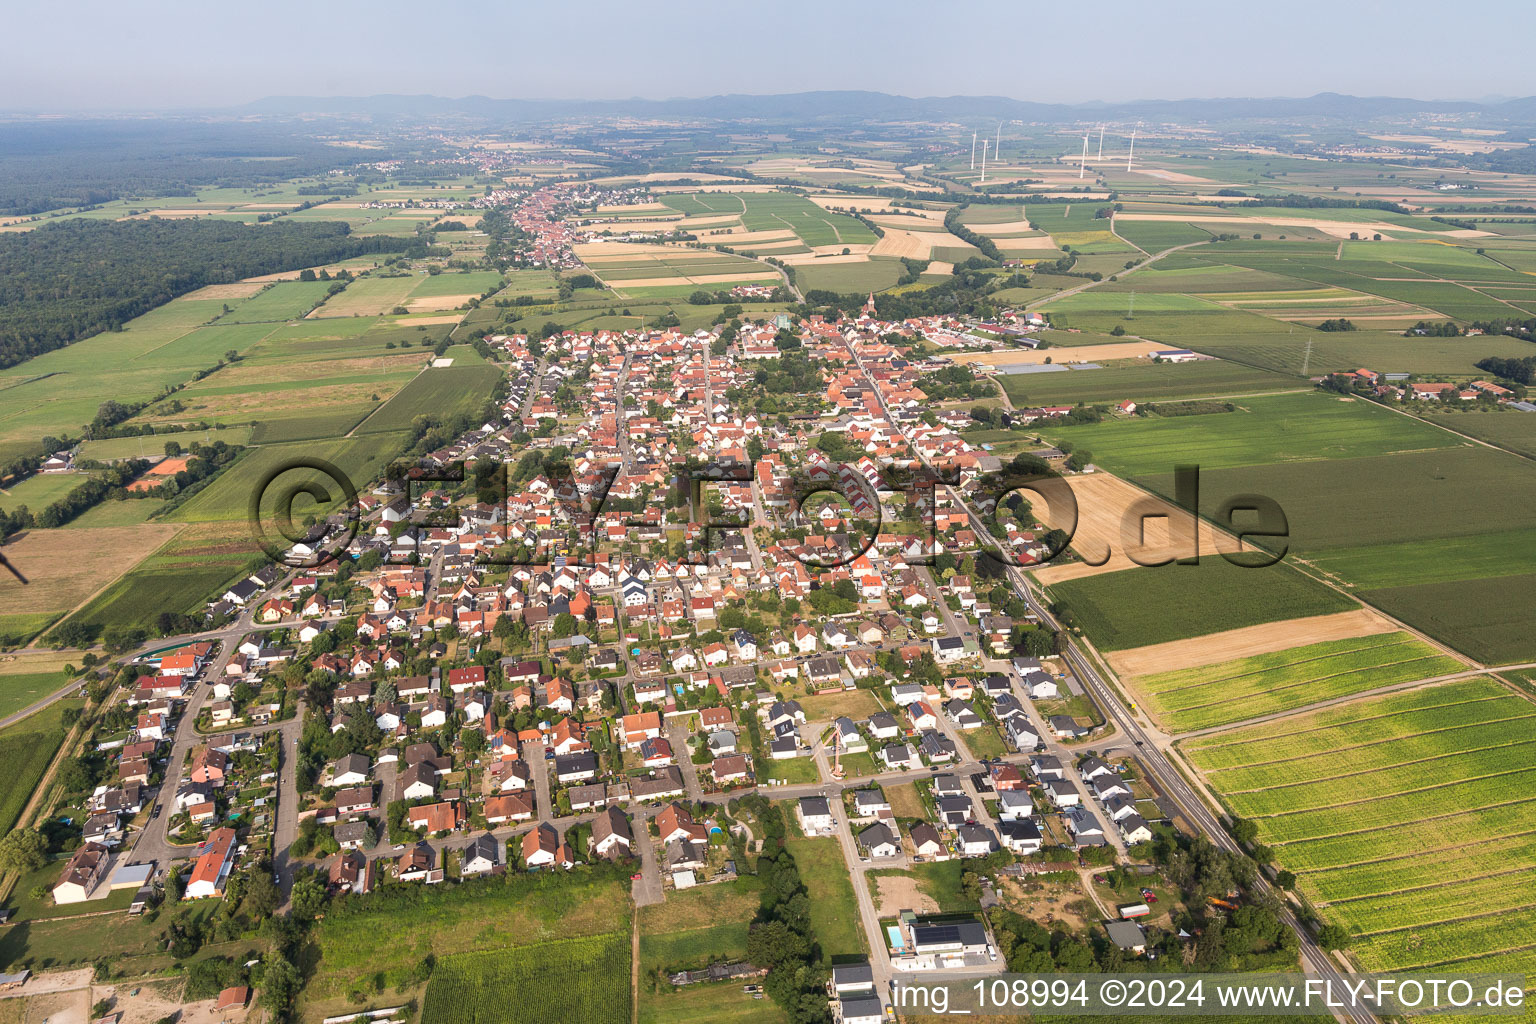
[(1407, 818), (286, 300), (31, 676), (1143, 382), (395, 929), (1232, 691), (59, 391), (228, 497), (1141, 606), (834, 910), (1263, 430), (568, 979), (696, 927)]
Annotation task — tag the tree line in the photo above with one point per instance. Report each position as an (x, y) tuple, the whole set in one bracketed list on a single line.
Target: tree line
[(75, 278)]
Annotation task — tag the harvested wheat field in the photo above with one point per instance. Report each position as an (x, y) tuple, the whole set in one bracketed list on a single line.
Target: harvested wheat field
[(611, 252), (863, 204), (741, 187), (634, 207), (1010, 227), (436, 303), (895, 893), (1106, 507), (1175, 176), (293, 275), (1064, 354), (701, 279), (1027, 243), (739, 235), (238, 290), (940, 267), (425, 321), (917, 245), (66, 567), (1246, 642), (801, 258), (901, 218)]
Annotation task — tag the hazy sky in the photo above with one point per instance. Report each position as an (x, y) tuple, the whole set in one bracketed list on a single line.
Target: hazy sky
[(115, 55)]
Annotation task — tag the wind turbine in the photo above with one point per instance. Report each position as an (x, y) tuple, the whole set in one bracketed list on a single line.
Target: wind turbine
[(1132, 151), (1082, 168), (1101, 143), (997, 147), (984, 161), (973, 151)]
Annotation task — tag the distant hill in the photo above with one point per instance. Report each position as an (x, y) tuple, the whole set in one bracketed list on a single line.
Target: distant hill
[(875, 106)]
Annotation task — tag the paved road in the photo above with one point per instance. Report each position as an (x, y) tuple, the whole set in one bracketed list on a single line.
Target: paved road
[(648, 888), (286, 827), (533, 754), (677, 735)]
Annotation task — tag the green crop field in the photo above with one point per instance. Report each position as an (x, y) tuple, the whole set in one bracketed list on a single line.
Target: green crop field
[(872, 276), (143, 593), (766, 211), (58, 392), (1420, 496), (569, 979), (1263, 430), (1408, 819), (1233, 691), (286, 300), (1437, 538), (1141, 606), (443, 392), (1156, 235), (472, 282), (27, 747), (1402, 563), (1487, 618), (1143, 382), (1513, 430), (228, 497)]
